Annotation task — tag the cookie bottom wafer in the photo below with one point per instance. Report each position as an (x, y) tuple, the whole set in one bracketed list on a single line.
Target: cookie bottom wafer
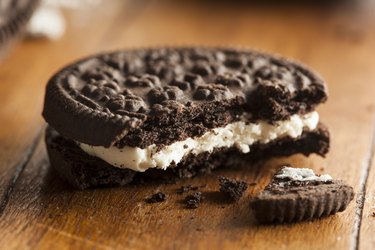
[(84, 171)]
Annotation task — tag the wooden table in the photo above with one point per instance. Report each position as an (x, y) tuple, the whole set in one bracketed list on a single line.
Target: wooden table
[(39, 211)]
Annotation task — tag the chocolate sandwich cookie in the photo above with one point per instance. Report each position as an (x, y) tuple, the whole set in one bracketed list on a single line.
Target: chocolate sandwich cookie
[(167, 108), (297, 194), (14, 15)]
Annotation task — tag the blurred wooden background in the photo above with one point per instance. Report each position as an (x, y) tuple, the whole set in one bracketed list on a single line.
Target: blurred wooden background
[(336, 38)]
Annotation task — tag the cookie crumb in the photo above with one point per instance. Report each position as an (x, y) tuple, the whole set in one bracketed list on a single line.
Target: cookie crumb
[(184, 189), (193, 201), (373, 214), (234, 189), (187, 188), (158, 197)]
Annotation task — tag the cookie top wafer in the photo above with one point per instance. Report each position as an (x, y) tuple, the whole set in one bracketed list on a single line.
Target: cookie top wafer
[(162, 95), (14, 15), (298, 194)]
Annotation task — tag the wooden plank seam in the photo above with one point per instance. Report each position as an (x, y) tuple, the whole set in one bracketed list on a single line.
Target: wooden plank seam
[(19, 167), (361, 195)]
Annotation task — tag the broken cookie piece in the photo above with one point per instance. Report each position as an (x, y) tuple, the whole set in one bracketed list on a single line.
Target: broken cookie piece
[(298, 194), (234, 189)]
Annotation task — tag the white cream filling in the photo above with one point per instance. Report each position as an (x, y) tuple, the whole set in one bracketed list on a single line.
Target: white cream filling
[(301, 174), (240, 134), (47, 22)]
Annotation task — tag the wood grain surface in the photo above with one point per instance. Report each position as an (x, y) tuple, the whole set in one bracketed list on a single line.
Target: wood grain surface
[(39, 211)]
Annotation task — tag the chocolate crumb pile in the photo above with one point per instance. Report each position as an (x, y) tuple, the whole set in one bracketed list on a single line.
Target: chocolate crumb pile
[(193, 201), (158, 197), (234, 189)]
